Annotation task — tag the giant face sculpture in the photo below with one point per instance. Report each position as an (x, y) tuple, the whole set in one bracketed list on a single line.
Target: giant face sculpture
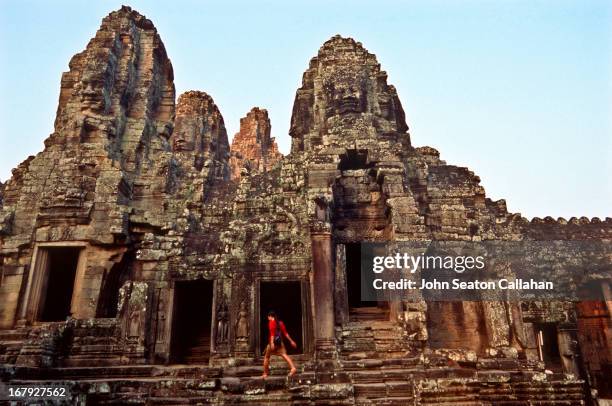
[(345, 92), (184, 139), (344, 96), (92, 91)]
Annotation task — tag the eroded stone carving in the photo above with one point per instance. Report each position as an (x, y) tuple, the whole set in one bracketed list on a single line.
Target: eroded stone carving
[(253, 149), (222, 324), (242, 326)]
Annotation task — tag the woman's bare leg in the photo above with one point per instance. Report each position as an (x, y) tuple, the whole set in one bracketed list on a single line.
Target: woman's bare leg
[(266, 363), (291, 365)]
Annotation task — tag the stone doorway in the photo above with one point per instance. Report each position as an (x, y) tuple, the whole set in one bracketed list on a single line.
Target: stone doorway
[(113, 280), (285, 298), (192, 322), (57, 293), (548, 346), (360, 310)]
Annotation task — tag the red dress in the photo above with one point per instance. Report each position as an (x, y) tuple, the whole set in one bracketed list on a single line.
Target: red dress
[(272, 328), (278, 349)]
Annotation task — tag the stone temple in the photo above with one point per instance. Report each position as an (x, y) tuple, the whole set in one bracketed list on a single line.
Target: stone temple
[(139, 251)]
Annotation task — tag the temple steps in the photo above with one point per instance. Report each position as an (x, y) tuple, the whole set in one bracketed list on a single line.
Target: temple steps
[(199, 351), (9, 350), (100, 372), (11, 342), (372, 339), (366, 377), (99, 346), (410, 381), (455, 392), (395, 401), (388, 364), (13, 335), (164, 386), (358, 314)]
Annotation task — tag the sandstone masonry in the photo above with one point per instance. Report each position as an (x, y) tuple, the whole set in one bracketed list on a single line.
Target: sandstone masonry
[(139, 252)]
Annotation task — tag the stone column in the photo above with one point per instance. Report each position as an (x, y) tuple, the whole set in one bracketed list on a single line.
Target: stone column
[(341, 309), (567, 337), (607, 294), (323, 284), (32, 298)]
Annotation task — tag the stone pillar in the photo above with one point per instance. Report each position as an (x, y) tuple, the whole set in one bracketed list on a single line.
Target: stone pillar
[(163, 323), (531, 345), (323, 284), (607, 294), (134, 312), (496, 323), (78, 304), (341, 307), (567, 337), (32, 298)]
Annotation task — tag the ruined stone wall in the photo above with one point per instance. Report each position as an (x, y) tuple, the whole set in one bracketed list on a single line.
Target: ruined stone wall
[(360, 207)]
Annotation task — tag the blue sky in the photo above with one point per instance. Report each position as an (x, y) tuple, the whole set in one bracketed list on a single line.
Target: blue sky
[(518, 91)]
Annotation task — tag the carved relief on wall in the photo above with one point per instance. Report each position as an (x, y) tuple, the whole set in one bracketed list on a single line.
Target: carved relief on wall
[(322, 209), (345, 91), (222, 323), (133, 299), (60, 233), (242, 325), (241, 311), (162, 309)]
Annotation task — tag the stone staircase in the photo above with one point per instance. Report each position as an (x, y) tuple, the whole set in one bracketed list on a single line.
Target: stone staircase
[(99, 345), (377, 365), (385, 368), (514, 392), (383, 381), (415, 384), (186, 384), (372, 339), (199, 351), (392, 381), (378, 359), (368, 313), (11, 342)]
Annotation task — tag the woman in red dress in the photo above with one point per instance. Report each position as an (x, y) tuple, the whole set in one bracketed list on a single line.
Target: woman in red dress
[(276, 346)]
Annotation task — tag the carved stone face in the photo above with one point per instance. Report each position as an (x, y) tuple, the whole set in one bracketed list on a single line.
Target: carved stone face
[(384, 103), (345, 93), (344, 97), (92, 95), (183, 142)]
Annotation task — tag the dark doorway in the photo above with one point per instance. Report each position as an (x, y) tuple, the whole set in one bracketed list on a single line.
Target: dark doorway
[(192, 320), (112, 282), (285, 298), (354, 159), (361, 309), (62, 267), (549, 346)]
